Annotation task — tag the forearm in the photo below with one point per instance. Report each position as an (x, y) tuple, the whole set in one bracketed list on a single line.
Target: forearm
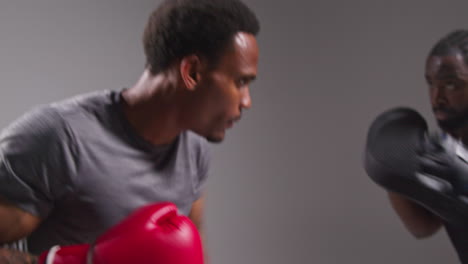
[(196, 215), (12, 256), (15, 223), (419, 221), (205, 247)]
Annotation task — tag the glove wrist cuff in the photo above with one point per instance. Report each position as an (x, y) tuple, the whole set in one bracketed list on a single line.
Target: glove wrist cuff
[(51, 254), (90, 254)]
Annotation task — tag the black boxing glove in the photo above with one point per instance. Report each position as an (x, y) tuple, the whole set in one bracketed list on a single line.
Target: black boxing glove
[(439, 162), (401, 157)]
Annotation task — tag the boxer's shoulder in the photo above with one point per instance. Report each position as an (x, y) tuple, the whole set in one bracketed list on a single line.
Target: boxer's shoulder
[(41, 122), (88, 104), (197, 145), (54, 122), (85, 112)]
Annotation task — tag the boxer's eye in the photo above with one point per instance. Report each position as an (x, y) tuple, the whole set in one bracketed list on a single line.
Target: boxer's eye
[(241, 82), (450, 86)]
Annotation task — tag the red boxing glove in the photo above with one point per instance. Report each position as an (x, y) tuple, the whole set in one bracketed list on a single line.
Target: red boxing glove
[(154, 234)]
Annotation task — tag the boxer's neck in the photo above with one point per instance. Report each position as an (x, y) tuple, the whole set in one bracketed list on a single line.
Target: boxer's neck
[(151, 107)]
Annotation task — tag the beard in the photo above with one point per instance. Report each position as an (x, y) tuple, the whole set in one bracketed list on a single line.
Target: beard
[(455, 119)]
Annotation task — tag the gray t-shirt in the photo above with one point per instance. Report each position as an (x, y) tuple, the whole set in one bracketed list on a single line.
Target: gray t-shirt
[(80, 166)]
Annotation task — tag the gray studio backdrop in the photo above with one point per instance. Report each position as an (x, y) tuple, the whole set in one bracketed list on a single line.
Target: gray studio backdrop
[(287, 185)]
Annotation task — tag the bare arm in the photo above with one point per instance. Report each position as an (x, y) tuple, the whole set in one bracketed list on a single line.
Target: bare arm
[(14, 225), (10, 256), (196, 215), (419, 221)]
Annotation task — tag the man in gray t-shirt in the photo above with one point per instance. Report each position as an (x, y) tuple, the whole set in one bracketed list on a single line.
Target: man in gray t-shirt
[(81, 166), (72, 169)]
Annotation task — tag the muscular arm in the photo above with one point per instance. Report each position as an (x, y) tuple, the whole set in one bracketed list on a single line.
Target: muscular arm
[(419, 221), (14, 225)]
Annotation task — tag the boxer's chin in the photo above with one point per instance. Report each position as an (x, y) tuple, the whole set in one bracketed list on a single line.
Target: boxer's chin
[(453, 122), (216, 137), (213, 135), (447, 125)]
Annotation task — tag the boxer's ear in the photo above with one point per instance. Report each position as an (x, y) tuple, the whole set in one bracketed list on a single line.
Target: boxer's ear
[(190, 67)]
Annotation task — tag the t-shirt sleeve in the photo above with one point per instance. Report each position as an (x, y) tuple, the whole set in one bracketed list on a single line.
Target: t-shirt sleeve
[(203, 162), (36, 161)]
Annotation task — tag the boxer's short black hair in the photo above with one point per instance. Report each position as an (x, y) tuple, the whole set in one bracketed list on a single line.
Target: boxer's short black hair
[(455, 41), (178, 28)]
